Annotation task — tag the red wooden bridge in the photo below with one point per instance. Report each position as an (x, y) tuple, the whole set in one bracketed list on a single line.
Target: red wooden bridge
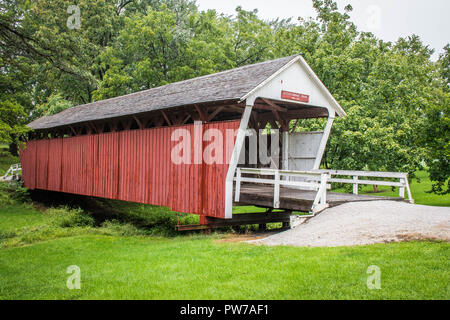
[(123, 148)]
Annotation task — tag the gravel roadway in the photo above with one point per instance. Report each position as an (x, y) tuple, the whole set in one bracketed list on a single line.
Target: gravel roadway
[(360, 223)]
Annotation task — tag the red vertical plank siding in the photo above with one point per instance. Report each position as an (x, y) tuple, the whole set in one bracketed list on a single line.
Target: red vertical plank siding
[(132, 174), (133, 166), (28, 162), (106, 170), (88, 164), (42, 164), (204, 195), (54, 164)]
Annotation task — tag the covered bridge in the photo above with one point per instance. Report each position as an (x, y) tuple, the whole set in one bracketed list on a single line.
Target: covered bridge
[(123, 148)]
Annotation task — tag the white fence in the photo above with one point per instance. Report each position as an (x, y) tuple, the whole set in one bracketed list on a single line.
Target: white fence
[(319, 180), (315, 181), (402, 178), (14, 172)]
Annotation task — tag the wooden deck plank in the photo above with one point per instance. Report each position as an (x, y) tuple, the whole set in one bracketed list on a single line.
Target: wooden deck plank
[(298, 200)]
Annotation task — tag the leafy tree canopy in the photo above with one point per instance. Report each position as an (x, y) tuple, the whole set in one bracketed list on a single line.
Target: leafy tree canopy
[(396, 98)]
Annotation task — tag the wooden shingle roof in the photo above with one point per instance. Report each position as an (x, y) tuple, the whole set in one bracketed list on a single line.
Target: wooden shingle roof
[(223, 86)]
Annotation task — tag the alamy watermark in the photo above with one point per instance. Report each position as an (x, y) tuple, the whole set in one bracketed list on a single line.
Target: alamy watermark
[(214, 146), (374, 278), (74, 20), (74, 280)]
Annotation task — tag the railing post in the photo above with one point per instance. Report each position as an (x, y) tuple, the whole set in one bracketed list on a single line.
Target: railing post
[(402, 189), (238, 185), (410, 198), (323, 187), (276, 190), (355, 185)]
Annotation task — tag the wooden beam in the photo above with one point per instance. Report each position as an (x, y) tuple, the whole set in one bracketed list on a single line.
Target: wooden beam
[(255, 118), (166, 118), (186, 119), (282, 122), (215, 113), (202, 113), (273, 123), (142, 123), (274, 106), (126, 124), (92, 127), (159, 122), (269, 108), (113, 126), (73, 130), (101, 127), (195, 116), (178, 119), (238, 220)]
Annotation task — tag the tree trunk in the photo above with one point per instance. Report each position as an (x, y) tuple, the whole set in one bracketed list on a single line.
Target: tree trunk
[(14, 149)]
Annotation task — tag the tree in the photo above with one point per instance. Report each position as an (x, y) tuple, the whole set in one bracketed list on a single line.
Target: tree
[(147, 53), (161, 46), (252, 38), (54, 104), (15, 103), (436, 137), (395, 96)]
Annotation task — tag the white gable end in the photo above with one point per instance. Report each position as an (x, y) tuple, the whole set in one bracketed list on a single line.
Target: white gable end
[(296, 77)]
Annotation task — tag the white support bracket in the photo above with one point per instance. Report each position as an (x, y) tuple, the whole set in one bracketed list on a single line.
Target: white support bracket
[(326, 135), (240, 138), (320, 202)]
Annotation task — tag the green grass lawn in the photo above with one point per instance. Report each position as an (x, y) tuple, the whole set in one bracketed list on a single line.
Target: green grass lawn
[(135, 255), (200, 268), (34, 260), (17, 217)]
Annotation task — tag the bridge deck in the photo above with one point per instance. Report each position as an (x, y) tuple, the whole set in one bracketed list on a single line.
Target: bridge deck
[(298, 200)]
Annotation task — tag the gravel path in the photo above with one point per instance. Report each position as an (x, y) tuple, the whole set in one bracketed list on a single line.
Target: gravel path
[(359, 223)]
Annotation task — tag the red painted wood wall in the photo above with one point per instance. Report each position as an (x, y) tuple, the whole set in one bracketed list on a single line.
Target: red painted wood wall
[(133, 166)]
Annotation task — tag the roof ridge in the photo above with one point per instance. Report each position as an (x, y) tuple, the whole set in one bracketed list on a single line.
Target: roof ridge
[(187, 80), (147, 93)]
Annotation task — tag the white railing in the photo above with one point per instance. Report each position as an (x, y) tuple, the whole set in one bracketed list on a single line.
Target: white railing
[(402, 178), (319, 180), (13, 172), (315, 181)]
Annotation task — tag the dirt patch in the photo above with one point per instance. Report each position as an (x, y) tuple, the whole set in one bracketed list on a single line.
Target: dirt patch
[(231, 238), (361, 223), (418, 237)]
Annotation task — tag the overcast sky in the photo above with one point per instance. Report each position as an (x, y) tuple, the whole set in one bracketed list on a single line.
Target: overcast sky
[(387, 19)]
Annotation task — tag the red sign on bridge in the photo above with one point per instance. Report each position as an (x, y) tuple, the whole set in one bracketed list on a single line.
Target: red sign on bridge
[(294, 96)]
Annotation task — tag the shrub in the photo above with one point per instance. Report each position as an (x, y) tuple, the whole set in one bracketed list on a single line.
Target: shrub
[(159, 220), (21, 194), (122, 229), (66, 218), (6, 234), (13, 192)]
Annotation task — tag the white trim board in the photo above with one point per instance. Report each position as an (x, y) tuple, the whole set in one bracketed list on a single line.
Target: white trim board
[(296, 76)]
